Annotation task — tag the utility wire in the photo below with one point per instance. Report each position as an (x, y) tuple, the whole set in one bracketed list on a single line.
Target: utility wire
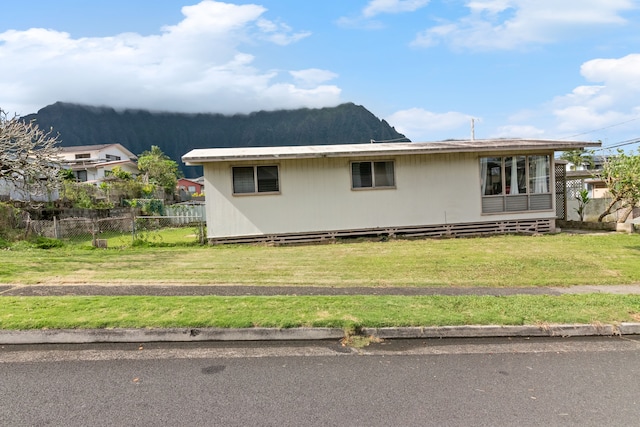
[(603, 128), (622, 143)]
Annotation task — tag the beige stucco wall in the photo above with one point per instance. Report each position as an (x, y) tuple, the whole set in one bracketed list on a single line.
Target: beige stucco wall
[(316, 195)]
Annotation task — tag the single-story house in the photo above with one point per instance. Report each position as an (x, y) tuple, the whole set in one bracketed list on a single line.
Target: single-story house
[(190, 186), (305, 193), (94, 163)]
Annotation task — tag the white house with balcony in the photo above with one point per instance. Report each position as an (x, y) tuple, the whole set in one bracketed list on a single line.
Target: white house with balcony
[(93, 163)]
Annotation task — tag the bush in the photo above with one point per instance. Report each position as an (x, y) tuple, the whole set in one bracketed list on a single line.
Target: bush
[(9, 221), (47, 243), (4, 243)]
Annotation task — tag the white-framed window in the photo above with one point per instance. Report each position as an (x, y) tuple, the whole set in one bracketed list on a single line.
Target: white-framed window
[(255, 179), (372, 174), (515, 183)]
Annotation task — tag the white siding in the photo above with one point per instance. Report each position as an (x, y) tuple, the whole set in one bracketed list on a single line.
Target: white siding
[(316, 195)]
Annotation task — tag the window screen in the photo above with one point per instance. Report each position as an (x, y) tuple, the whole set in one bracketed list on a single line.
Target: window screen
[(372, 174), (243, 180), (255, 179), (267, 179)]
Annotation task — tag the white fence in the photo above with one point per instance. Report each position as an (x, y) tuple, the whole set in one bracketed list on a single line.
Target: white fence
[(185, 214)]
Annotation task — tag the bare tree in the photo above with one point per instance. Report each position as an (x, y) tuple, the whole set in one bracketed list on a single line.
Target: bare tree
[(29, 161)]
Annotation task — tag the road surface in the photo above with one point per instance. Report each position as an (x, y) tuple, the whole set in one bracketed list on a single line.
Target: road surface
[(484, 382)]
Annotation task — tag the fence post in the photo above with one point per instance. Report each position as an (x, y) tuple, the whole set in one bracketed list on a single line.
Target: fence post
[(56, 228), (133, 226), (94, 233), (28, 227)]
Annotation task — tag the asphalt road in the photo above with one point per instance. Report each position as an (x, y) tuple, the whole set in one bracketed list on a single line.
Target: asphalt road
[(497, 382)]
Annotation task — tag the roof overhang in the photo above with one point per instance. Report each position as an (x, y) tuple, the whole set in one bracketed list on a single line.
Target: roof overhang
[(207, 155)]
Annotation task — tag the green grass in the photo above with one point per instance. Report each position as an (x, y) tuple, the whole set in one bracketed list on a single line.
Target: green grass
[(502, 261), (313, 311), (170, 236)]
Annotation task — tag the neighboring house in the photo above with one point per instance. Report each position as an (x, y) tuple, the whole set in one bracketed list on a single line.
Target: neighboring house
[(303, 193), (585, 176), (191, 186), (93, 163)]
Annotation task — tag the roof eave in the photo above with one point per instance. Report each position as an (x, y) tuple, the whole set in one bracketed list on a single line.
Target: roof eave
[(194, 160)]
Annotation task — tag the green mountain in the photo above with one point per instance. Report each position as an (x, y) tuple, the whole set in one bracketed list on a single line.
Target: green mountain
[(178, 133)]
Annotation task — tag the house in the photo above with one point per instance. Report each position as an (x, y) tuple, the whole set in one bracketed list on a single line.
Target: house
[(93, 163), (191, 186), (586, 177), (305, 193)]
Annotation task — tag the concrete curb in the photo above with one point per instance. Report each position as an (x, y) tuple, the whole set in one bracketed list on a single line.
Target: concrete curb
[(490, 331), (89, 336)]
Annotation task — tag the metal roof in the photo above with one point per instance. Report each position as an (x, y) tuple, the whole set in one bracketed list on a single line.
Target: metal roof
[(97, 147), (206, 155)]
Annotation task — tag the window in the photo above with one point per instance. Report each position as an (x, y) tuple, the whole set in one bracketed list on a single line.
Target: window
[(255, 179), (112, 158), (515, 183), (83, 156), (372, 174), (81, 176)]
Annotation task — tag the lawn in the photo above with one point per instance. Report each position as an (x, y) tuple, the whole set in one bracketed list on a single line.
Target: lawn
[(313, 311), (501, 261)]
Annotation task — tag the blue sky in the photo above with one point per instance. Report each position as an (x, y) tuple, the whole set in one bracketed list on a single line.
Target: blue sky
[(520, 68)]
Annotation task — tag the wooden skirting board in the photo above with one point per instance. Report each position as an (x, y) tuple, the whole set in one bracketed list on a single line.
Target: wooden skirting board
[(533, 226)]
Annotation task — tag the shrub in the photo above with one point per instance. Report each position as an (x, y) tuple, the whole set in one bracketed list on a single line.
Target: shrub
[(9, 221), (47, 243)]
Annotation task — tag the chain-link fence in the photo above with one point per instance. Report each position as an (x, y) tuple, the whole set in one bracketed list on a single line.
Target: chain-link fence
[(154, 229), (122, 230)]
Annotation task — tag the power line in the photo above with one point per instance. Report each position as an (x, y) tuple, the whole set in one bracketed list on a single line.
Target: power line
[(622, 143), (603, 128)]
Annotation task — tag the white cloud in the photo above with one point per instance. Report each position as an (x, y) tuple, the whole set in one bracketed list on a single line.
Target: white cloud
[(376, 7), (605, 107), (518, 131), (613, 98), (510, 24), (312, 77), (418, 124), (196, 65)]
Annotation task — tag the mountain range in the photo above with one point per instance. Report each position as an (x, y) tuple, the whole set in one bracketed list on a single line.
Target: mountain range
[(178, 133)]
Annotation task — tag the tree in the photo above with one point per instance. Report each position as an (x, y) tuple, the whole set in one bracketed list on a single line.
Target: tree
[(577, 158), (118, 173), (583, 200), (621, 174), (29, 161), (159, 169)]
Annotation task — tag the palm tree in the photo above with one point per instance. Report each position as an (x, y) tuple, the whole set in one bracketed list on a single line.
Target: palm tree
[(578, 158)]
